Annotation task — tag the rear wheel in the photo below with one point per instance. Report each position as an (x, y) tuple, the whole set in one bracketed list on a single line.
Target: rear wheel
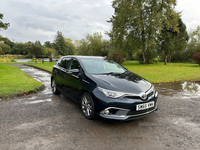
[(54, 87), (87, 106)]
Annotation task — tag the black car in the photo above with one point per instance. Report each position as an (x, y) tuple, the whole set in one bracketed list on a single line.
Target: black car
[(103, 87)]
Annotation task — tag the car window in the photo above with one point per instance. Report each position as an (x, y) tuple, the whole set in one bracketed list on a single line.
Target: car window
[(65, 62), (58, 62), (101, 66), (74, 64)]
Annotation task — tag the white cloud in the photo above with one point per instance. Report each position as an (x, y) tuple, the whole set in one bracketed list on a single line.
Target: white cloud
[(32, 20), (190, 12), (40, 20)]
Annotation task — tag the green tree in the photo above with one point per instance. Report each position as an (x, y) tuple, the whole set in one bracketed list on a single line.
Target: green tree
[(62, 46), (139, 22), (38, 49), (181, 43), (71, 49), (172, 42), (193, 44), (84, 47), (59, 43), (3, 25), (77, 43), (48, 44), (29, 48), (5, 48), (1, 51), (18, 48), (7, 41), (94, 45), (50, 51), (38, 43), (68, 40)]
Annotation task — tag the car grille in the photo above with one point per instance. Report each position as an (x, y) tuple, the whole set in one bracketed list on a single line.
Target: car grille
[(137, 97), (132, 97), (150, 94)]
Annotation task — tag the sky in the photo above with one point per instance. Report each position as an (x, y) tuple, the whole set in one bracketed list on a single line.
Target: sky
[(32, 20)]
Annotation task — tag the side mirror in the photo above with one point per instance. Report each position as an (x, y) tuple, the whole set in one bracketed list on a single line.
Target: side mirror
[(75, 71)]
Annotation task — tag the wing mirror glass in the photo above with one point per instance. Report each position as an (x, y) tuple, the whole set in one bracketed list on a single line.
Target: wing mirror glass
[(75, 71)]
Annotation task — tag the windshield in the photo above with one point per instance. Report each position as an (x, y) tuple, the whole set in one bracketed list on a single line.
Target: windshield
[(101, 66)]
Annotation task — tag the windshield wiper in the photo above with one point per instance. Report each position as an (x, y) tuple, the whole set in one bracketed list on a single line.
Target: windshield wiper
[(110, 73)]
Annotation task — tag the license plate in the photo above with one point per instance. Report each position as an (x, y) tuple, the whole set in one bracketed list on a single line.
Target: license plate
[(144, 106)]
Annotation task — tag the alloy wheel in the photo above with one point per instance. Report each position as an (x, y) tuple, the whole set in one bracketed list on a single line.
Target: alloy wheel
[(87, 106), (54, 87)]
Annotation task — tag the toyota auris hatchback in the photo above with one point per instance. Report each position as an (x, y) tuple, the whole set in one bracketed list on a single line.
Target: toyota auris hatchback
[(103, 87)]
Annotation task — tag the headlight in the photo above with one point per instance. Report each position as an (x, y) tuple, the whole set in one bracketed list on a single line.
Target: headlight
[(111, 94), (155, 92)]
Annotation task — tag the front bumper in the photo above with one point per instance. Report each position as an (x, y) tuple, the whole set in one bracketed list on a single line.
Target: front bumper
[(121, 109), (127, 117)]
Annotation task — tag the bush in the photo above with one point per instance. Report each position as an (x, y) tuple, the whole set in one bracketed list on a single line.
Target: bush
[(196, 58), (7, 59), (117, 56)]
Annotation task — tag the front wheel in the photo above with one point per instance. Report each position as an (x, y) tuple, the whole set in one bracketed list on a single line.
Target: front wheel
[(87, 106), (54, 87)]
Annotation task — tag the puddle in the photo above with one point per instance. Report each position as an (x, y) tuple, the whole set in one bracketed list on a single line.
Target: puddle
[(43, 77), (37, 79), (46, 91), (185, 89), (33, 97), (38, 101)]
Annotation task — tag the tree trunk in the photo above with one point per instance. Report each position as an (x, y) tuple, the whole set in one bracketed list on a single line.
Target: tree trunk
[(144, 58), (143, 45), (165, 60)]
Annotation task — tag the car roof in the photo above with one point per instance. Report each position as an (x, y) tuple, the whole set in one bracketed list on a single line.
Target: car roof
[(78, 56)]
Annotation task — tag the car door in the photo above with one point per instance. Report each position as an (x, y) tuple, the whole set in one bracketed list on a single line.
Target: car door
[(63, 74), (74, 80)]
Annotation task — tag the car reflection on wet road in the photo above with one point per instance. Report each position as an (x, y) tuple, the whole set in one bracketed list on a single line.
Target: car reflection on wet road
[(46, 121)]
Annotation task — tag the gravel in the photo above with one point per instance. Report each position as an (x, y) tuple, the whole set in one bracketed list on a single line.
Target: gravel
[(44, 121)]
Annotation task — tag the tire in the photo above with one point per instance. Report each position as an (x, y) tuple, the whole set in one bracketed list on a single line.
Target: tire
[(54, 87), (87, 106)]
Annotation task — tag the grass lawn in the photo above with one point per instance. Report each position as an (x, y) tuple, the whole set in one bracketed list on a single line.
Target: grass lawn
[(46, 65), (159, 72), (155, 73), (13, 80)]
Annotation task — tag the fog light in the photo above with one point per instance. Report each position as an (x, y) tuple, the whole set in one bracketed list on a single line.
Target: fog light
[(106, 112)]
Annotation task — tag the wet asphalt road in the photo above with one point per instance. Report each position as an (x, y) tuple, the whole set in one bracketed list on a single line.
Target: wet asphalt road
[(44, 121)]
